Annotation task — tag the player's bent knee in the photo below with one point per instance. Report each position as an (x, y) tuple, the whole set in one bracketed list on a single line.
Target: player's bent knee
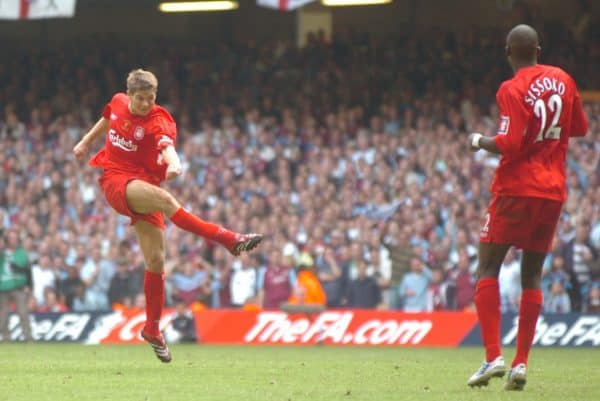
[(155, 262)]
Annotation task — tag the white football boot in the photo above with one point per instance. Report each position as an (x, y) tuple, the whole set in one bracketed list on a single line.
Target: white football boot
[(517, 377), (487, 370)]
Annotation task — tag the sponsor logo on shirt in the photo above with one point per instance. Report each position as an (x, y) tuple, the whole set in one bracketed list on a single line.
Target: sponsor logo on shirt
[(504, 124), (120, 142), (139, 133)]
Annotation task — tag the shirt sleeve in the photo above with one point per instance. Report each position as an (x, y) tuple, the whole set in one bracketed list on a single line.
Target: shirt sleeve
[(107, 111), (579, 124), (165, 132), (513, 122)]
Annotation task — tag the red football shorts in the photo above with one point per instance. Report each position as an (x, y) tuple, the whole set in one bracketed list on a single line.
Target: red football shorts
[(525, 222), (113, 185)]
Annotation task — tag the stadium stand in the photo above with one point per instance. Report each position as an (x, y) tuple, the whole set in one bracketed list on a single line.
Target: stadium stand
[(352, 145)]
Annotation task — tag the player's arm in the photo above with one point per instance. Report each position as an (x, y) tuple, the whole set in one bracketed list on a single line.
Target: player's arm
[(511, 128), (479, 141), (83, 146), (579, 124), (171, 158), (165, 144)]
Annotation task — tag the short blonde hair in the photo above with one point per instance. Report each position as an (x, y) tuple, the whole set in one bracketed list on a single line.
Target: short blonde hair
[(141, 80)]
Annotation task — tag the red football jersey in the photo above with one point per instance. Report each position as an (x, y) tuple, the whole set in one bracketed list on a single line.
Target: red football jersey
[(134, 143), (540, 109)]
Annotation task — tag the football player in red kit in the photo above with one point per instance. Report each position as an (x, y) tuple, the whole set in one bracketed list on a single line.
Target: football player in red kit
[(139, 154), (540, 110)]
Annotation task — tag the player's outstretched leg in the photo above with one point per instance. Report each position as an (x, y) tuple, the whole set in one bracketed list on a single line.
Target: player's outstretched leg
[(235, 243), (145, 198)]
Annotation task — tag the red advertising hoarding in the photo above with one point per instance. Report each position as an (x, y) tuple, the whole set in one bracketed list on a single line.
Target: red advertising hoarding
[(340, 327)]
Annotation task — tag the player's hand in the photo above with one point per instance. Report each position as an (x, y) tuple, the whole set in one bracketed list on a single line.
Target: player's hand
[(173, 170), (81, 149), (470, 142)]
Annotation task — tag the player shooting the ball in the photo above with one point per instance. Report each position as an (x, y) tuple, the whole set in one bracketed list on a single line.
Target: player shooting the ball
[(139, 153)]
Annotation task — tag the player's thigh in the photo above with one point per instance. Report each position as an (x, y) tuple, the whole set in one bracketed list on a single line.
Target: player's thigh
[(143, 198), (152, 243), (491, 256), (546, 214)]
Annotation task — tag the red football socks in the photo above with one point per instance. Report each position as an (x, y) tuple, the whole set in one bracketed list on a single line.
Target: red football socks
[(487, 301), (189, 222), (154, 289), (529, 311)]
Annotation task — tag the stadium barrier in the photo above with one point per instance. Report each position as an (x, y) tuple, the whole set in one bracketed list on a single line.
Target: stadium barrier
[(335, 327)]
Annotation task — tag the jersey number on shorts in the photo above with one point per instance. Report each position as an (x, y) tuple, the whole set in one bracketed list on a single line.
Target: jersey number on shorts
[(540, 110)]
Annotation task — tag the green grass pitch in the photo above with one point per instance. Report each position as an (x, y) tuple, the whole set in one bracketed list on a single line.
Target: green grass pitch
[(65, 372)]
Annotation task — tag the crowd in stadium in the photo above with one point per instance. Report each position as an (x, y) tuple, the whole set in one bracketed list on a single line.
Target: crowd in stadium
[(349, 155)]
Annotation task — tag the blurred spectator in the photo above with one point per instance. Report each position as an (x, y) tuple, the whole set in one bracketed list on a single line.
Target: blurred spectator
[(558, 300), (43, 276), (308, 289), (276, 280), (557, 273), (15, 280), (330, 275), (51, 302), (579, 257), (221, 280), (380, 268), (593, 305), (121, 290), (81, 302), (243, 280), (69, 287), (463, 282), (363, 292), (412, 291), (183, 324), (509, 281), (436, 292), (96, 274), (190, 283)]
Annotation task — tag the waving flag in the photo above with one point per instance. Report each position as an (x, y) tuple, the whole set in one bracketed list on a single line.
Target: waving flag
[(284, 5), (36, 9)]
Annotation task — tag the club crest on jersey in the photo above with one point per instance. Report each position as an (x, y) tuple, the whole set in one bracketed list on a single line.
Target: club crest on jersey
[(139, 133), (504, 124)]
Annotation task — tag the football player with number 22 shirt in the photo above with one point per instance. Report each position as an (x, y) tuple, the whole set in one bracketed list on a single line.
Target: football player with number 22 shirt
[(540, 110)]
